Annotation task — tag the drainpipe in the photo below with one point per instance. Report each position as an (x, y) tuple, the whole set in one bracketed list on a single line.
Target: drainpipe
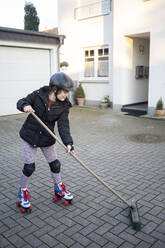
[(61, 39)]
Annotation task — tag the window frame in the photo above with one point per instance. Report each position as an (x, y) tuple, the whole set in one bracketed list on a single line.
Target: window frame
[(96, 60)]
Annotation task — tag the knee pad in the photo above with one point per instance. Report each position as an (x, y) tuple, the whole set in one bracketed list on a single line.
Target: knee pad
[(28, 169), (55, 166)]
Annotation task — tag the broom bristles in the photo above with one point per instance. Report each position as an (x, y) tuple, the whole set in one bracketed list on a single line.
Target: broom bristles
[(136, 223)]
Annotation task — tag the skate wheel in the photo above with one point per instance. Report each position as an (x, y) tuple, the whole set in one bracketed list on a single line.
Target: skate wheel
[(18, 204), (58, 196), (28, 210), (65, 203), (22, 210), (55, 199)]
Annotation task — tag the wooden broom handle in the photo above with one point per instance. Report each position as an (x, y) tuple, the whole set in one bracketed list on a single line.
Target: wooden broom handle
[(79, 161)]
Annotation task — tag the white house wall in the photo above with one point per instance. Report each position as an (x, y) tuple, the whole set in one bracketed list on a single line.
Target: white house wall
[(91, 32), (137, 17)]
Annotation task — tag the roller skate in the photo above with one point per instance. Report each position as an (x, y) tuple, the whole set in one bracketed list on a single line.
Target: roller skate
[(61, 193), (24, 201)]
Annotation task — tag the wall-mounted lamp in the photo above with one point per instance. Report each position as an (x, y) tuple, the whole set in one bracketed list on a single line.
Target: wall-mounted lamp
[(141, 49)]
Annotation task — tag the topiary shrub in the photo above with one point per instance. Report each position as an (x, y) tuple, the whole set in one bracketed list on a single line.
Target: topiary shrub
[(159, 104), (80, 92)]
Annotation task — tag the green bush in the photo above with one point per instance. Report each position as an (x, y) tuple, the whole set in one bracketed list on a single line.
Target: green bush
[(80, 92), (159, 104)]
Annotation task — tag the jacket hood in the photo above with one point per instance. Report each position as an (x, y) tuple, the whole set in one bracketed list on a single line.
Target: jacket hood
[(44, 94)]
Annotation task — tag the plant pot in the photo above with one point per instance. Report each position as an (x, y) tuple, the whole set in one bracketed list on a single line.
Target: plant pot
[(80, 101), (103, 105), (159, 112)]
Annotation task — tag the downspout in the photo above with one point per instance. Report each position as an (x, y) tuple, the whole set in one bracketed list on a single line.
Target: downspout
[(61, 39)]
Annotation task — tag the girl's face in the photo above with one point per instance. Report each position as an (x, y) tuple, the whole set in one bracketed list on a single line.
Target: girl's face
[(62, 95)]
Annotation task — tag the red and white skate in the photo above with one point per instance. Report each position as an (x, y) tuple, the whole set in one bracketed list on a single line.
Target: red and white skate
[(62, 194), (24, 201)]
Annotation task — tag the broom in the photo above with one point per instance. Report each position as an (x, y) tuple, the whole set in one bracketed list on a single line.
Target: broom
[(136, 223)]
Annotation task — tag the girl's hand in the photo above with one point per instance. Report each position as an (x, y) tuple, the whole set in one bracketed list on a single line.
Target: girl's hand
[(70, 149), (28, 109)]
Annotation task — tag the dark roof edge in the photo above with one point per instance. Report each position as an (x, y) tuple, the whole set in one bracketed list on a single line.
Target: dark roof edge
[(29, 32)]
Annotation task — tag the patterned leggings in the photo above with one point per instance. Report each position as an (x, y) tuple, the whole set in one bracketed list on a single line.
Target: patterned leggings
[(30, 157)]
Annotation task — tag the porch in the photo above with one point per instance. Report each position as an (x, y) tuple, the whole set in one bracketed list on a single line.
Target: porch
[(137, 109)]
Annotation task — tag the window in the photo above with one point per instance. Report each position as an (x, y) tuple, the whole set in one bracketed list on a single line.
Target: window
[(97, 8), (96, 62), (89, 63), (103, 63)]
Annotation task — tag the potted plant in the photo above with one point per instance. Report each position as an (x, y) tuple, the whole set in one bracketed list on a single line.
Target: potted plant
[(64, 65), (80, 95), (104, 102), (159, 110)]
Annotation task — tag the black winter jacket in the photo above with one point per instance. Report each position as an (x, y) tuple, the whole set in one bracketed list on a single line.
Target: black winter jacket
[(32, 131)]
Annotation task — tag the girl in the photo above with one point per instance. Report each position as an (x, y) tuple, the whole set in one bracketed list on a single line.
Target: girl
[(50, 104)]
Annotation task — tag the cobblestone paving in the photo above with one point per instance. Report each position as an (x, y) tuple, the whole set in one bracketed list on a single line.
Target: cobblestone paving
[(96, 218)]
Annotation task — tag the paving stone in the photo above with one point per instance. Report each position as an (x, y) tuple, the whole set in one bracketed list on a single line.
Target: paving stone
[(126, 245), (132, 239), (96, 220), (3, 229), (81, 239), (103, 229), (43, 230), (43, 246), (153, 218), (158, 235), (110, 245), (74, 229), (161, 228), (88, 212), (11, 231), (67, 221), (23, 222), (26, 231), (60, 246), (65, 239), (77, 245), (156, 210), (51, 242), (97, 239), (3, 241), (38, 222), (113, 238), (159, 244), (17, 241), (52, 221), (145, 237), (110, 220), (90, 228), (93, 245), (58, 230), (81, 221), (149, 227), (143, 244), (9, 222), (119, 228), (32, 240)]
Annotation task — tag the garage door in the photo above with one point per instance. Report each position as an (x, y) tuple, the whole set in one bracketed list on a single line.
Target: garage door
[(22, 70)]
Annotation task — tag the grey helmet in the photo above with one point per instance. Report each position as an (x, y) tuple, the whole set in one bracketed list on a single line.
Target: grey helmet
[(61, 81)]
